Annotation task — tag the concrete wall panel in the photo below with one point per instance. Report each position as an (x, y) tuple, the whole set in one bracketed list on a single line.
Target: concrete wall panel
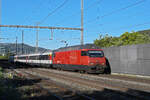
[(133, 59)]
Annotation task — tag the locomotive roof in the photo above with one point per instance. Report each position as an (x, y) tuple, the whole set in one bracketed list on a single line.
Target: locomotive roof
[(78, 47)]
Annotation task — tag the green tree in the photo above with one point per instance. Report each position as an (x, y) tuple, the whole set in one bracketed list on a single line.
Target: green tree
[(105, 41), (125, 39), (134, 38)]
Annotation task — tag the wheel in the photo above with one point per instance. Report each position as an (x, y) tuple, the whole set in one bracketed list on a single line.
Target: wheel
[(82, 71)]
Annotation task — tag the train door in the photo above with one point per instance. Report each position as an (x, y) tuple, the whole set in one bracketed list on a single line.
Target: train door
[(84, 58)]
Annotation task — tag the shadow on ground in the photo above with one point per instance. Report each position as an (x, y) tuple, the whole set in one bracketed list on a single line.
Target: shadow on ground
[(10, 89), (25, 89)]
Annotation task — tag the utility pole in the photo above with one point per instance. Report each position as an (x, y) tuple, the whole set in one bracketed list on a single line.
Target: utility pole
[(51, 34), (16, 45), (37, 37), (22, 41), (82, 42)]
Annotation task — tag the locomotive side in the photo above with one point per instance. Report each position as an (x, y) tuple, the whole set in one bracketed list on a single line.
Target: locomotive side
[(84, 60)]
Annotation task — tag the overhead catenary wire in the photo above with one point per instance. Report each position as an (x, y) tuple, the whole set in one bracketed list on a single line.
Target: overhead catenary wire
[(115, 11), (124, 8), (131, 26), (55, 10), (37, 7), (135, 25), (77, 13)]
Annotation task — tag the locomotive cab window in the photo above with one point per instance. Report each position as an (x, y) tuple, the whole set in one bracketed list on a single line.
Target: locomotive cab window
[(96, 53), (83, 53)]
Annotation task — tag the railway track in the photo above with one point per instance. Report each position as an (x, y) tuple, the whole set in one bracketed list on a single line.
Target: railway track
[(88, 87), (30, 76), (71, 95), (125, 82), (84, 84)]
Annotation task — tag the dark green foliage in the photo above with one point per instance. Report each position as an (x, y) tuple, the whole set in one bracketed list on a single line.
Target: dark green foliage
[(7, 92), (125, 39)]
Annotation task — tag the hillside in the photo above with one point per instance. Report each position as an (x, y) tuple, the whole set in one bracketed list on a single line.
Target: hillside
[(145, 32), (26, 48)]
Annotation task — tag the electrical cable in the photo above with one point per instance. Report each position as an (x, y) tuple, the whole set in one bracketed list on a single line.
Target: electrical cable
[(34, 11), (115, 11), (59, 7), (77, 13), (136, 25)]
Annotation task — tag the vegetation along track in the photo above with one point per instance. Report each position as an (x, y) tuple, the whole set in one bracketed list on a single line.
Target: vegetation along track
[(94, 86)]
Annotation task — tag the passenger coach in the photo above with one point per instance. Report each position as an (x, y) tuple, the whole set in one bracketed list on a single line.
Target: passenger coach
[(44, 59)]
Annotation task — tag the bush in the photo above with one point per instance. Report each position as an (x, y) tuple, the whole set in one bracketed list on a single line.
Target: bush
[(125, 39)]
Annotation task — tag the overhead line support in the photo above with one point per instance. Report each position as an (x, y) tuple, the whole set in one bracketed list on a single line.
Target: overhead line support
[(40, 27)]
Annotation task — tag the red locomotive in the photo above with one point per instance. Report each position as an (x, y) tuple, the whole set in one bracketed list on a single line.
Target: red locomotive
[(83, 60)]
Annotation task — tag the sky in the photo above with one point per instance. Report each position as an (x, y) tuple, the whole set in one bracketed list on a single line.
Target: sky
[(101, 17)]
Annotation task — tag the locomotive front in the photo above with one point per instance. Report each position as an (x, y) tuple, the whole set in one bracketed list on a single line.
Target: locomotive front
[(96, 60)]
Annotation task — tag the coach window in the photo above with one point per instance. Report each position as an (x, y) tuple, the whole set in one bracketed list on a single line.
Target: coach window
[(83, 53), (47, 57), (23, 58), (44, 57), (41, 57), (33, 57)]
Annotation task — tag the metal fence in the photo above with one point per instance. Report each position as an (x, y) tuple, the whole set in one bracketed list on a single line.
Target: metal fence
[(133, 59)]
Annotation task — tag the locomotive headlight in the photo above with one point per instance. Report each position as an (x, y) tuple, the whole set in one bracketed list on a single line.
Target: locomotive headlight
[(103, 63), (91, 63)]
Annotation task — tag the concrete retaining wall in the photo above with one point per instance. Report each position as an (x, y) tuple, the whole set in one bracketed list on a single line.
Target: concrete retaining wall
[(134, 59)]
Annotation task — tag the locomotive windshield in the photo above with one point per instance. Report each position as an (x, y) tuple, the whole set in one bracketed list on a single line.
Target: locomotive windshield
[(96, 53)]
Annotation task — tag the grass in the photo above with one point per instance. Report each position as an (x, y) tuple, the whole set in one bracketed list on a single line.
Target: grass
[(7, 90), (4, 57), (18, 88)]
